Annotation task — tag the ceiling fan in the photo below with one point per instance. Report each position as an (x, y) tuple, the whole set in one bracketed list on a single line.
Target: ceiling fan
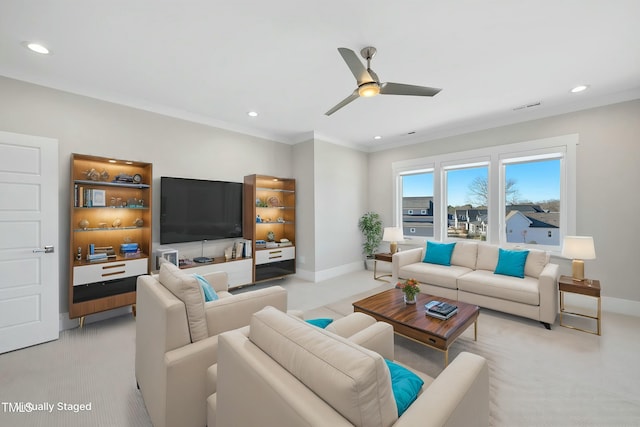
[(369, 83)]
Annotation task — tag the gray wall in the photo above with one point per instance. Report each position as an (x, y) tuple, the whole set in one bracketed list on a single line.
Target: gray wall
[(608, 175), (303, 172), (340, 199), (175, 147)]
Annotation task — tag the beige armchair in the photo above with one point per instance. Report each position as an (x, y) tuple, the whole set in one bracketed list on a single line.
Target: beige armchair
[(300, 375), (177, 340)]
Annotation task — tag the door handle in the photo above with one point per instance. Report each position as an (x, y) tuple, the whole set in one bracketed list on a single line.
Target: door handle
[(46, 250)]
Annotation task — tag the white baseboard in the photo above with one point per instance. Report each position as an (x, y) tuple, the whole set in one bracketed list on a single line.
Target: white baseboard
[(609, 304), (621, 306), (66, 323), (318, 276)]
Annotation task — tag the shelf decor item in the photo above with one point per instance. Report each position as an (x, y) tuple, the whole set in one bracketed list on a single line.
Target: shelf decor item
[(410, 289), (273, 202), (99, 198)]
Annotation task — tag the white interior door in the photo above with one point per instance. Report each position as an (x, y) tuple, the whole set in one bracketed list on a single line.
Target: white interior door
[(29, 279)]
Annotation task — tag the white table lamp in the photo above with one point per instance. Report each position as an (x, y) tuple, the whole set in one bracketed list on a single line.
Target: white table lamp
[(578, 248), (393, 235)]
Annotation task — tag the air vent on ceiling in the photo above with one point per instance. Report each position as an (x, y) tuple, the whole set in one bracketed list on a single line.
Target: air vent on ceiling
[(530, 105)]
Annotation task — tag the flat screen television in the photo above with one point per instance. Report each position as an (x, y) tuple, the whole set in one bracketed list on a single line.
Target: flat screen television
[(195, 209)]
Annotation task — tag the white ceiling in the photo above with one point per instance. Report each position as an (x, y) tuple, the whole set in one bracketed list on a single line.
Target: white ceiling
[(212, 62)]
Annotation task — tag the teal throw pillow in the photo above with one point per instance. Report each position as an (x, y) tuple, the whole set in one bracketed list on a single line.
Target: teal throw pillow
[(209, 292), (439, 253), (405, 385), (320, 323), (511, 263)]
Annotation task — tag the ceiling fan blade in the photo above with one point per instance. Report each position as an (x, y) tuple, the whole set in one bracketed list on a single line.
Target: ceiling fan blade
[(342, 103), (357, 68), (402, 89)]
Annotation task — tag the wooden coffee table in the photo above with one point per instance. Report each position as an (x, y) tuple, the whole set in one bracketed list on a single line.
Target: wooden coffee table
[(410, 320)]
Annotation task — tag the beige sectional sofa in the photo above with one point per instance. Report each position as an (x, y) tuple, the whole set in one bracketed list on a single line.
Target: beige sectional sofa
[(470, 278), (281, 371), (177, 340)]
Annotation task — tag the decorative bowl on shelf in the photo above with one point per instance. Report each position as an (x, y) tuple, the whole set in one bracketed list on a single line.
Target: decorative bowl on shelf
[(273, 202)]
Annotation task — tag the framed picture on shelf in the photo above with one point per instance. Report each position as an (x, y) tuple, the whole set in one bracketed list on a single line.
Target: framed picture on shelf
[(167, 254), (99, 198)]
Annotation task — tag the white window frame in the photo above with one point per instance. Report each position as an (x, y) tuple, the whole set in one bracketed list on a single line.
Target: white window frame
[(410, 168), (563, 147)]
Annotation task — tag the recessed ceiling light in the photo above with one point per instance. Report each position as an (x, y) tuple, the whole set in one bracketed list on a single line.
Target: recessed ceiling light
[(38, 48), (377, 137), (129, 163), (580, 88), (112, 161), (252, 114)]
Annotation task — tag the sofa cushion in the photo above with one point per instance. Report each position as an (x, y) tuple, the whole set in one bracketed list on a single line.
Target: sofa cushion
[(438, 253), (536, 262), (508, 288), (487, 257), (465, 254), (405, 384), (353, 380), (433, 274), (511, 263), (187, 289)]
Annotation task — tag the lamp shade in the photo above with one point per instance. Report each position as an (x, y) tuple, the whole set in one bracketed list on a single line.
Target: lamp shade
[(392, 234), (578, 247)]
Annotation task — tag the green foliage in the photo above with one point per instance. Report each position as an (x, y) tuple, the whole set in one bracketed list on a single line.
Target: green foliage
[(371, 226)]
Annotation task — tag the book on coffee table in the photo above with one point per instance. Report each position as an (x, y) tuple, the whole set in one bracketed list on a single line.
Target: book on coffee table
[(440, 310)]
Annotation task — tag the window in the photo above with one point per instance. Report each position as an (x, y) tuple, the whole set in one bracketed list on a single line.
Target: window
[(467, 196), (532, 200), (417, 196), (520, 194)]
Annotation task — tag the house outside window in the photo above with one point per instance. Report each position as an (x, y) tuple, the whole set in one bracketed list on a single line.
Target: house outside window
[(532, 199), (417, 204), (466, 190)]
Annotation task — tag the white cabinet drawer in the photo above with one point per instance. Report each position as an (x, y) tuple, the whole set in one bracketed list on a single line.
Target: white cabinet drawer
[(239, 271), (274, 255), (108, 271)]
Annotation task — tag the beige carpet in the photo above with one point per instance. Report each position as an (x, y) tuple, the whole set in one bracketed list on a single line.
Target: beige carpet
[(560, 377), (538, 377)]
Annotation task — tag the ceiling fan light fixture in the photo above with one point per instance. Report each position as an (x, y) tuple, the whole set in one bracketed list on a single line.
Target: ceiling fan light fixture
[(369, 89)]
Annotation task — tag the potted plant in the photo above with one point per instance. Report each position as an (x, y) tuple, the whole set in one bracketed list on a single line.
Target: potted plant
[(371, 226), (411, 290)]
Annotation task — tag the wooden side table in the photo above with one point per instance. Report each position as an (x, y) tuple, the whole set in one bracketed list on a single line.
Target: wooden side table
[(586, 287), (385, 257)]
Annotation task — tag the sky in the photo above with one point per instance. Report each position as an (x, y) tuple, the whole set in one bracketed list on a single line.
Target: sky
[(535, 182)]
